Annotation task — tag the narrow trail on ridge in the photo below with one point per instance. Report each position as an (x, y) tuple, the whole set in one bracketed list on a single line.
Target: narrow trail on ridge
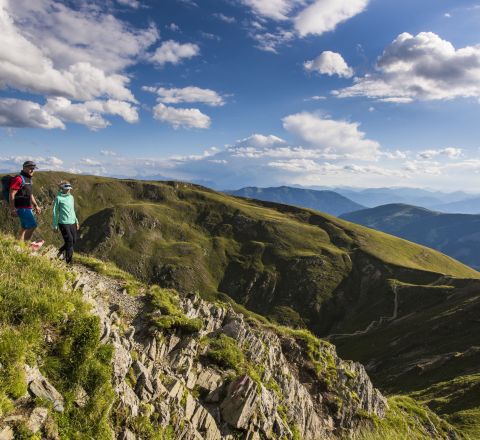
[(375, 323)]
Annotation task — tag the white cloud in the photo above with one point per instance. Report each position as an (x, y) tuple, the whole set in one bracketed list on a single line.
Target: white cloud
[(181, 117), (450, 153), (187, 95), (13, 163), (316, 98), (90, 162), (260, 141), (311, 166), (271, 41), (173, 27), (109, 153), (324, 15), (69, 36), (330, 136), (225, 18), (89, 113), (274, 9), (82, 55), (329, 63), (421, 67), (173, 52), (298, 18), (132, 3), (24, 66), (20, 113)]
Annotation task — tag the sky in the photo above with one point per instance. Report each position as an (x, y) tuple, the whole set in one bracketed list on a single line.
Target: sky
[(233, 93)]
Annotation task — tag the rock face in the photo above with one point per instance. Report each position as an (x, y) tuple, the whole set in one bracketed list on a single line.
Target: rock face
[(167, 375)]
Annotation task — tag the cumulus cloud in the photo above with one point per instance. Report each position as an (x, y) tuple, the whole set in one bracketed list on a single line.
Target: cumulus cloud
[(12, 163), (19, 113), (325, 15), (22, 113), (181, 117), (274, 9), (82, 56), (89, 113), (300, 18), (421, 67), (329, 63), (450, 153), (70, 35), (173, 52), (132, 3), (260, 141), (331, 136), (187, 95)]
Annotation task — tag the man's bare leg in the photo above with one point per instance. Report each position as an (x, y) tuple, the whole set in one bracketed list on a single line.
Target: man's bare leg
[(29, 233), (21, 235)]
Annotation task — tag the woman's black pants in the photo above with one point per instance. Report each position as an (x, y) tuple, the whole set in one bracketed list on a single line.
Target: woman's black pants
[(69, 233)]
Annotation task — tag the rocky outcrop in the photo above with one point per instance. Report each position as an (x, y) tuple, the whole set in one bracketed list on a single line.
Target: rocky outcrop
[(264, 382), (168, 377)]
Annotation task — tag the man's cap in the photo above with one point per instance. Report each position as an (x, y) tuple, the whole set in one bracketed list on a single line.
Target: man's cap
[(29, 163)]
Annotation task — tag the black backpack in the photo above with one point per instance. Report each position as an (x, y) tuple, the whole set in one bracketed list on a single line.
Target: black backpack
[(6, 181)]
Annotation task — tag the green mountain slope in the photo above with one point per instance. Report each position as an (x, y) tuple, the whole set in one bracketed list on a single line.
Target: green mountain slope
[(456, 235), (329, 202)]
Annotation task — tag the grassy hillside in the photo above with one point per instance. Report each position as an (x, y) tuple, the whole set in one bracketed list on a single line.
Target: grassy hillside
[(457, 235), (44, 322), (325, 201)]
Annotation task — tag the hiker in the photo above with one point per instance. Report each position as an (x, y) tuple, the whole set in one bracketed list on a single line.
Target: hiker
[(22, 201), (65, 219)]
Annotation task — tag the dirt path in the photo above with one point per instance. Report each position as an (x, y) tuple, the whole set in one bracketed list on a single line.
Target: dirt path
[(375, 323)]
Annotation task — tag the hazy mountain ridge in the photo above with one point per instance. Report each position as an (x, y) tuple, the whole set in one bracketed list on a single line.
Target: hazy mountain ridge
[(457, 235), (329, 202)]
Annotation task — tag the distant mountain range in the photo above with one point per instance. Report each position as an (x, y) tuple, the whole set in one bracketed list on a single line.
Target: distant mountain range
[(341, 200), (329, 202), (457, 235), (436, 200)]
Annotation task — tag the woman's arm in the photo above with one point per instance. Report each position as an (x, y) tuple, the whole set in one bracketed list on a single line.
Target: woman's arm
[(55, 214)]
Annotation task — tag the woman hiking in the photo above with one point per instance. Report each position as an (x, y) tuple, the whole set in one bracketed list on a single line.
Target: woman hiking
[(65, 219)]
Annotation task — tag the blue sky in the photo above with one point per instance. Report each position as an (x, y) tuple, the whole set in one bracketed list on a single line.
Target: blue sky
[(245, 92)]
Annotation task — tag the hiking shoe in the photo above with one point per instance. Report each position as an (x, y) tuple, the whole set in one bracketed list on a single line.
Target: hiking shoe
[(36, 245)]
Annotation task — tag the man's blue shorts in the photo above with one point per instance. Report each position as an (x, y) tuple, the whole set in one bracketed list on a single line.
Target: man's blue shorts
[(27, 219)]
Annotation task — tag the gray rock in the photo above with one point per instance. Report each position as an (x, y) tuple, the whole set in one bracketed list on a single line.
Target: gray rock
[(37, 419), (6, 433), (241, 402), (39, 386), (81, 397), (128, 435)]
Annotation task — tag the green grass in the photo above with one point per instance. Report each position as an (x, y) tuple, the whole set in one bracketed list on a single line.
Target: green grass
[(224, 351), (35, 297), (406, 419), (172, 318), (458, 400)]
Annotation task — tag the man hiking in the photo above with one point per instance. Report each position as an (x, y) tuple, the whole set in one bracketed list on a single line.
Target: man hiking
[(22, 202), (64, 217)]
